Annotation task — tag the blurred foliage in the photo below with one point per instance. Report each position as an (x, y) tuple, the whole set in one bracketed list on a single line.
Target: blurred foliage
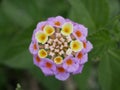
[(18, 87), (18, 18)]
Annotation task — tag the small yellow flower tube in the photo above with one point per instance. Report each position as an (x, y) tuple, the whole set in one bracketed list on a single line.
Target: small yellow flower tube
[(41, 37), (42, 53), (67, 29), (76, 45)]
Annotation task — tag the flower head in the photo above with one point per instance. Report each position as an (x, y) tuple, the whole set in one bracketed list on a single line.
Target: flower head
[(59, 47)]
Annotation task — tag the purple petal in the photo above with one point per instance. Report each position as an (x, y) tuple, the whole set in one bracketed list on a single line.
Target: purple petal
[(37, 60), (88, 47), (82, 30), (41, 25), (47, 71), (59, 19), (48, 67), (61, 73), (33, 48), (71, 68), (74, 65), (83, 59), (68, 20), (51, 18), (62, 76), (79, 70)]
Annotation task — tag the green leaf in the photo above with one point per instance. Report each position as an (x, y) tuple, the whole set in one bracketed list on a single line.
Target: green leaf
[(109, 70), (25, 12), (81, 15), (15, 14), (115, 28), (106, 50), (3, 78), (93, 14), (22, 60), (81, 80), (12, 51), (104, 73), (114, 7), (98, 10), (115, 65), (101, 41)]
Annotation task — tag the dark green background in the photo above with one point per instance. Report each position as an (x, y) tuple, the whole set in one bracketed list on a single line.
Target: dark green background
[(18, 19)]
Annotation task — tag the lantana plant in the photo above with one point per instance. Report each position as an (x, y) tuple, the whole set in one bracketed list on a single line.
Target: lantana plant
[(59, 47)]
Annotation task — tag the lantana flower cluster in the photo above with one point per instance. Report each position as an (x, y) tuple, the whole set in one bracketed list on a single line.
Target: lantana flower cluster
[(59, 47)]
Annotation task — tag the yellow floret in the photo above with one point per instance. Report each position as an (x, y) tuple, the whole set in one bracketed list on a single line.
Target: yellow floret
[(49, 30), (76, 45), (58, 60), (42, 53), (67, 29), (41, 37)]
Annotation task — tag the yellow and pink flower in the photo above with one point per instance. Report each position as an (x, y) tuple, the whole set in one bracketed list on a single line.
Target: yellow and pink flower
[(58, 60), (42, 53), (67, 28), (59, 47), (76, 45), (49, 30), (41, 37)]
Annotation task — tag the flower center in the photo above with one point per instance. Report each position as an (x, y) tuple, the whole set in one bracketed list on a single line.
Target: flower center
[(58, 43), (49, 30), (38, 59), (75, 46), (42, 53), (42, 37), (84, 44), (69, 62), (80, 55), (48, 65), (57, 23), (61, 69), (78, 33), (58, 60), (66, 30), (35, 47)]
